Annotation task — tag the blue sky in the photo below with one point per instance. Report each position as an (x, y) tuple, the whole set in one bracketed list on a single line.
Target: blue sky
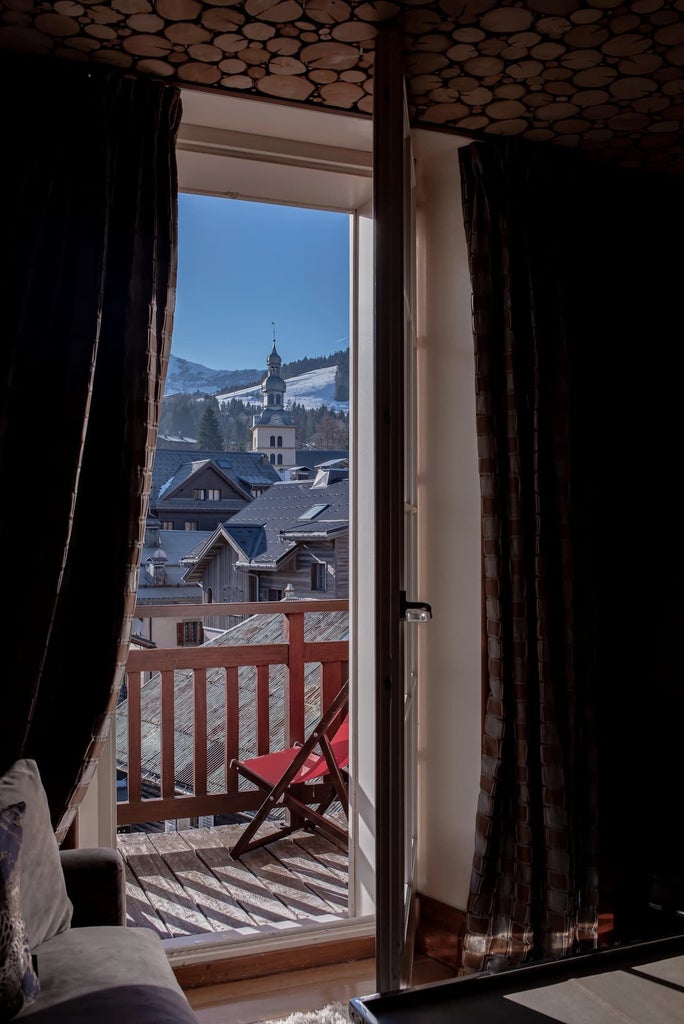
[(242, 266)]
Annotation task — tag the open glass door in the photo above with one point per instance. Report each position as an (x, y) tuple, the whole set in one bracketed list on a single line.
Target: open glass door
[(395, 480)]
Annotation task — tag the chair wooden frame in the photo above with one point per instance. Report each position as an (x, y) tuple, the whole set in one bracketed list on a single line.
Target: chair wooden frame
[(285, 776)]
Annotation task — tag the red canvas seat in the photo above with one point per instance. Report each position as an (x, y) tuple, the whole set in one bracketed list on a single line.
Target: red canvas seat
[(302, 780), (271, 767)]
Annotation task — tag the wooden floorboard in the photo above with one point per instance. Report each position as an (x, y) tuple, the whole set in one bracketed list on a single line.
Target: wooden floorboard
[(244, 886), (139, 911), (201, 885), (314, 874), (186, 883), (175, 908)]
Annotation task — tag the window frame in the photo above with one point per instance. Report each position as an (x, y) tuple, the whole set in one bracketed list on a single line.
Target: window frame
[(319, 577), (190, 633)]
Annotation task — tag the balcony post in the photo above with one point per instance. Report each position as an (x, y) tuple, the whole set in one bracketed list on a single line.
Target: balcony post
[(293, 635)]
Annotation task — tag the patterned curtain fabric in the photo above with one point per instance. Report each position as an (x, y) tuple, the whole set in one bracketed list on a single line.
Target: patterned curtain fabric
[(90, 227), (576, 271), (534, 887)]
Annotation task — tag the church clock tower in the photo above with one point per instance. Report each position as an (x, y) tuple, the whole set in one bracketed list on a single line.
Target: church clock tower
[(273, 429)]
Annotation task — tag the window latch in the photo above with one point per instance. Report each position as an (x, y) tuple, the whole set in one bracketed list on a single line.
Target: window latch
[(414, 611)]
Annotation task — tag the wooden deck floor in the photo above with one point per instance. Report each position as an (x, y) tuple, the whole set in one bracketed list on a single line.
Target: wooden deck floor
[(186, 883)]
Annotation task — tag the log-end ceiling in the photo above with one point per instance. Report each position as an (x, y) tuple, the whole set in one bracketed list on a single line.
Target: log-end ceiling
[(604, 75)]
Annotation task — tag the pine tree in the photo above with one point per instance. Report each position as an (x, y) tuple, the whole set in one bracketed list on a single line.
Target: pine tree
[(236, 419), (210, 437), (331, 432), (342, 377), (179, 416)]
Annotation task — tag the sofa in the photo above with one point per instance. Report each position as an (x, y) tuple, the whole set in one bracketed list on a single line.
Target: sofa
[(66, 954)]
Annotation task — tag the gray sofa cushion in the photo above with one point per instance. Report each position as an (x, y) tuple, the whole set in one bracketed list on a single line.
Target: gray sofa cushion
[(18, 982), (109, 975), (95, 880), (45, 906)]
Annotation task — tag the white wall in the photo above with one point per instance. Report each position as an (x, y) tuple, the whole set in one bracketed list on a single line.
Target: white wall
[(449, 535), (160, 630), (97, 813)]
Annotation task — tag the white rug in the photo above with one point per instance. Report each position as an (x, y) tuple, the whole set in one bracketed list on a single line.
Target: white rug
[(333, 1013)]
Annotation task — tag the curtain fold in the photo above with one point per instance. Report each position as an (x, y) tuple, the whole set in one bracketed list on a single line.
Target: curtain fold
[(90, 215), (576, 276)]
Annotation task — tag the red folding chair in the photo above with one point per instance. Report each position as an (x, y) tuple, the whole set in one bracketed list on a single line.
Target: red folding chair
[(291, 779)]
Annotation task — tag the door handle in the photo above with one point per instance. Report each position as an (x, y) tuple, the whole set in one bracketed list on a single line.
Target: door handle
[(414, 611)]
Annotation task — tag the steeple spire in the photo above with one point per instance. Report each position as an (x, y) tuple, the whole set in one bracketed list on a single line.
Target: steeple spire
[(274, 362)]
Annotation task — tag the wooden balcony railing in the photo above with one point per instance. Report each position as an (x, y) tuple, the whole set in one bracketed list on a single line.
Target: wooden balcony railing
[(167, 705)]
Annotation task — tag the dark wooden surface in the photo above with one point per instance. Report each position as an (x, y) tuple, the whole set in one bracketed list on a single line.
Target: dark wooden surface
[(642, 983)]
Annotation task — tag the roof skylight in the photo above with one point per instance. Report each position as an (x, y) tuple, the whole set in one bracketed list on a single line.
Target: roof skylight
[(312, 512)]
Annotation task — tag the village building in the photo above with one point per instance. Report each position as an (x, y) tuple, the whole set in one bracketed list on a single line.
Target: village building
[(309, 461), (200, 489), (164, 559), (291, 541)]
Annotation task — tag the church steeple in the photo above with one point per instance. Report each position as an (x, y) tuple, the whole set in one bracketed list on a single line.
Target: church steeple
[(274, 362), (273, 385), (274, 427)]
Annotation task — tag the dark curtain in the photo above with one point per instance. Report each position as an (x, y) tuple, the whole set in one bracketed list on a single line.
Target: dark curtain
[(89, 220), (576, 277)]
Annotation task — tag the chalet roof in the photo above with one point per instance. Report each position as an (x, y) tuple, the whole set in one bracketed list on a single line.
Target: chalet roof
[(311, 458), (334, 464), (268, 530), (188, 470), (244, 470), (176, 593), (141, 643), (250, 538), (175, 545), (279, 510), (258, 629), (308, 532), (329, 473)]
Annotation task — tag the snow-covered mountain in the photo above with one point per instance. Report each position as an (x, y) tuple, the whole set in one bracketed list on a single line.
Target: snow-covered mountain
[(311, 389), (186, 378)]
